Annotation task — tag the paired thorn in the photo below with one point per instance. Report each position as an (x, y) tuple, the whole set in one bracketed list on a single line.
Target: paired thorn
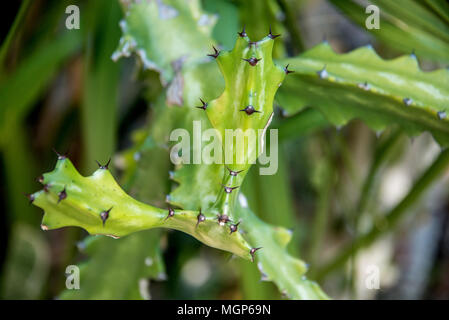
[(40, 179), (286, 69), (252, 252), (273, 36), (46, 187), (171, 213), (365, 86), (228, 189), (322, 73), (215, 54), (203, 106), (249, 110), (252, 61), (233, 173), (222, 219), (60, 156), (104, 167), (62, 195), (200, 218), (407, 101), (233, 227), (104, 215), (441, 115), (243, 33), (30, 197)]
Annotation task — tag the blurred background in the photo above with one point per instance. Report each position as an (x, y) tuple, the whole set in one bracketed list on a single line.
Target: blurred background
[(60, 89)]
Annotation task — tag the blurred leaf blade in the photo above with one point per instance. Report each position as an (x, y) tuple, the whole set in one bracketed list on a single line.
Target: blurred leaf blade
[(31, 77)]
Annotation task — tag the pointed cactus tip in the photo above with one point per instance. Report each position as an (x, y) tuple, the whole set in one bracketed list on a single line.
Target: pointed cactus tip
[(323, 73), (231, 172), (215, 54), (242, 34), (253, 251), (233, 227), (273, 36), (407, 101), (104, 167), (203, 106), (30, 197), (104, 215), (288, 71), (229, 189), (62, 195), (252, 61), (249, 110), (171, 213), (60, 156), (222, 219), (200, 218)]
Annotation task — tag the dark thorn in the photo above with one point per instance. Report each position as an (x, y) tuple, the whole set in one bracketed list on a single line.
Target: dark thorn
[(40, 179), (104, 167), (252, 252), (62, 195), (60, 156), (30, 197), (229, 189), (170, 214), (104, 215), (252, 43), (222, 219), (252, 61), (46, 187), (233, 227), (365, 86), (322, 73), (233, 173), (204, 105), (286, 69), (200, 218), (249, 110), (273, 36), (407, 101), (215, 54), (243, 33)]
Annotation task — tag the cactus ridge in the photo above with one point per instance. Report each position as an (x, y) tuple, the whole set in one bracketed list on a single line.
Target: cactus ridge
[(99, 205)]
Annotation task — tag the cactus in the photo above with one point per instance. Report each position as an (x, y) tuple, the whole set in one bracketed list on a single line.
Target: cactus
[(362, 85), (99, 205)]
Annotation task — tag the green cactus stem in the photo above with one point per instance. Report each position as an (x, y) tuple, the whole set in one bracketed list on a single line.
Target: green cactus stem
[(99, 205)]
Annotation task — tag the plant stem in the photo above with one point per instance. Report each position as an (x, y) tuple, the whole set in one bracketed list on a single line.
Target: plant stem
[(392, 218)]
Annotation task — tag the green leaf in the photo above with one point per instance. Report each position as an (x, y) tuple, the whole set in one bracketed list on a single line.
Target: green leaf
[(34, 74), (27, 265), (360, 84)]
